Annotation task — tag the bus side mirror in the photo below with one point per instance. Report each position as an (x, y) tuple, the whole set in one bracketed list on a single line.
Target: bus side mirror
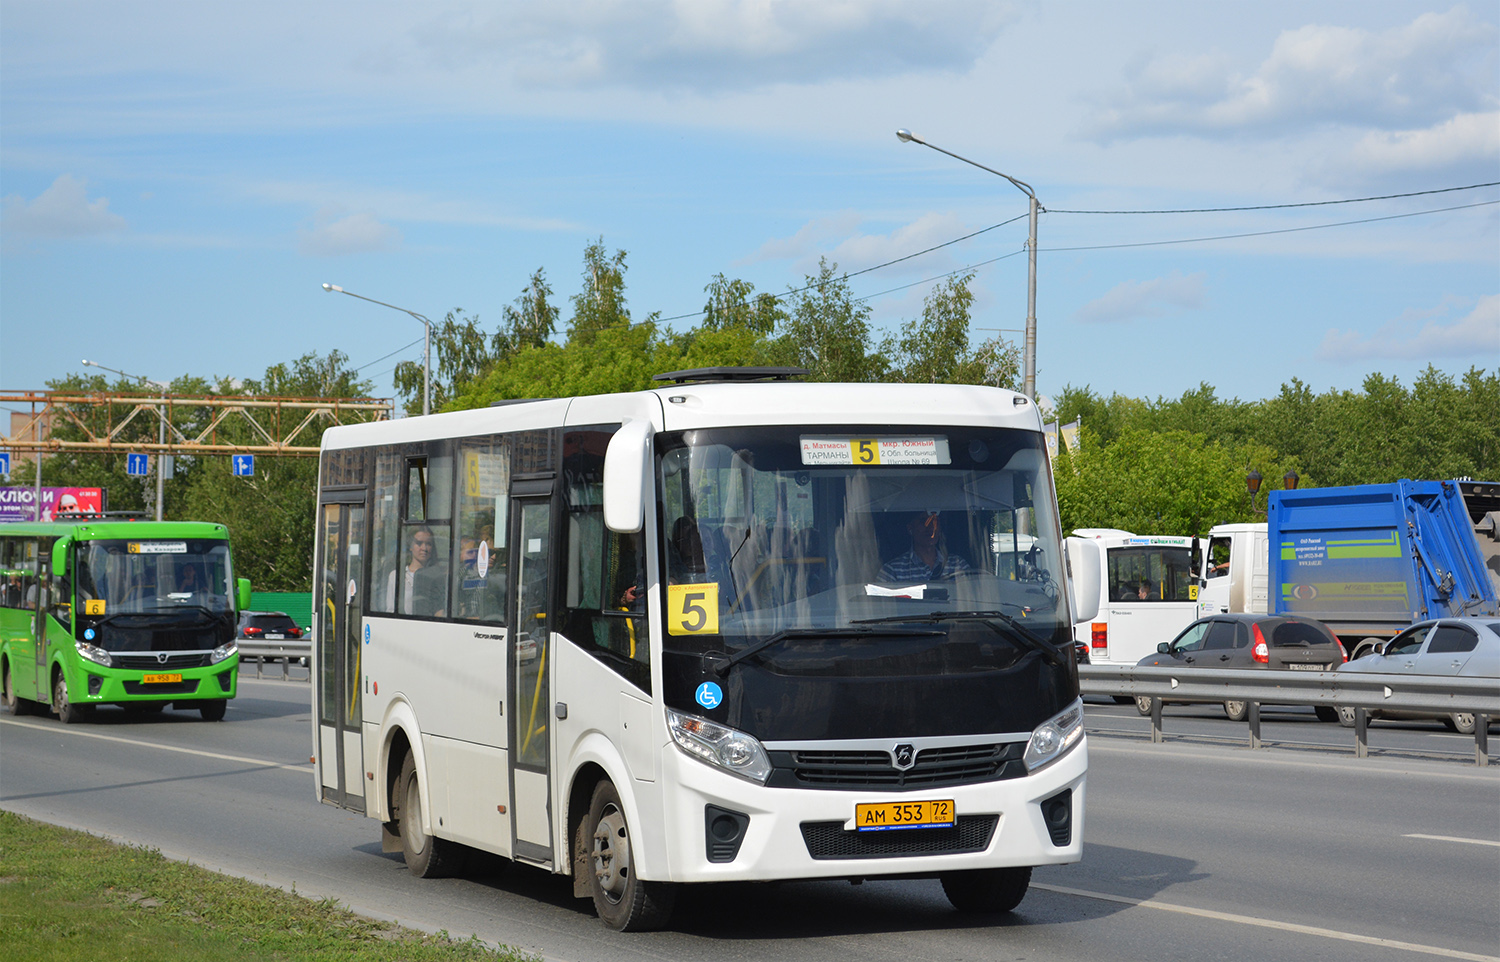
[(625, 488), (60, 556), (1084, 578), (242, 593)]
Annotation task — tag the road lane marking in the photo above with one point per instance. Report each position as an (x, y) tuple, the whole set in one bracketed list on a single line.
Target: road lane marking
[(260, 762), (1455, 838), (1271, 924)]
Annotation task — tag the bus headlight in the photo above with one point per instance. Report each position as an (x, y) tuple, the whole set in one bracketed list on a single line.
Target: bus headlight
[(1055, 737), (222, 652), (718, 745), (95, 654)]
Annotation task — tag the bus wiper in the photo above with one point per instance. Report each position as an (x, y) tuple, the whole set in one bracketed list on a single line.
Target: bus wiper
[(719, 663), (1019, 630)]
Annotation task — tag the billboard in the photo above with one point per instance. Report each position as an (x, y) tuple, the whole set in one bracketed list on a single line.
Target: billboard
[(19, 504)]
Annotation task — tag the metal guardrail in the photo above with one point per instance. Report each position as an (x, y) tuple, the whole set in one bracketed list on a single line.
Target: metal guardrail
[(1361, 691), (287, 651)]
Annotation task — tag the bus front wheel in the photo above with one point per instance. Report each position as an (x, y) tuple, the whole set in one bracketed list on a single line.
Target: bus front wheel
[(213, 710), (67, 712), (625, 902), (426, 856), (986, 889)]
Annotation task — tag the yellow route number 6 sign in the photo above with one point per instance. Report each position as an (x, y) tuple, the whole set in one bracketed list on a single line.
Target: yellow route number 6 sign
[(693, 609)]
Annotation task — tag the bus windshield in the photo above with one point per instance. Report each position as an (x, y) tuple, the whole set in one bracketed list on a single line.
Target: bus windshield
[(153, 577), (768, 531)]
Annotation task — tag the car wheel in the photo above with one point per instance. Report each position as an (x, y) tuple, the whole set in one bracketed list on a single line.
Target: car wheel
[(986, 889), (1462, 722), (624, 902), (1143, 704), (1237, 710), (426, 856), (67, 712), (1346, 716), (213, 710), (1327, 714)]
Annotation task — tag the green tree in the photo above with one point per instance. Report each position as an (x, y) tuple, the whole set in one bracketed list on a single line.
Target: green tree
[(935, 349), (271, 515), (827, 330), (600, 305)]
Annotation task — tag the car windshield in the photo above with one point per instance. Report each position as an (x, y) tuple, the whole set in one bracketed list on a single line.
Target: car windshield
[(150, 576), (787, 532)]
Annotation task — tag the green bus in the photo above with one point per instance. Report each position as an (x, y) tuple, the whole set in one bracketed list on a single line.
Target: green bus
[(137, 614)]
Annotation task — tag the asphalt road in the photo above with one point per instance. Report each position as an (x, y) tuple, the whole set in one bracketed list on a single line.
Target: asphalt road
[(1194, 849)]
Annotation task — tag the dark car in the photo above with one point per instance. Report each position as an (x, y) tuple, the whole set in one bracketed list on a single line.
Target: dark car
[(267, 626), (1282, 642)]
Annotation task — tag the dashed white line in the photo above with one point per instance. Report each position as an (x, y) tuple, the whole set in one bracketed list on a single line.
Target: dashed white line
[(1273, 924), (258, 762), (1455, 838)]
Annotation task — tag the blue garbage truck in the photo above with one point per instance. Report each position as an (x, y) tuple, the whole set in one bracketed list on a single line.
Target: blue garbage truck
[(1370, 559)]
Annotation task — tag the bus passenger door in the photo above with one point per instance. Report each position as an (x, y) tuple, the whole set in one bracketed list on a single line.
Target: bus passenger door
[(530, 686), (340, 604)]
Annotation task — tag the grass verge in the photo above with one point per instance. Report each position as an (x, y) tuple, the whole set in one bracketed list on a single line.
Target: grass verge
[(67, 895)]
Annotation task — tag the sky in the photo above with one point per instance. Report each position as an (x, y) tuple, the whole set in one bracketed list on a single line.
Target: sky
[(177, 180)]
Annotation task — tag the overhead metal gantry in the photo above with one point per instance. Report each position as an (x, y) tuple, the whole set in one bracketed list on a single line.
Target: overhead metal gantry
[(278, 426)]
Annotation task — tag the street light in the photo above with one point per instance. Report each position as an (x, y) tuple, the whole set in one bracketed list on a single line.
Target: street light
[(426, 341), (161, 433), (1028, 383)]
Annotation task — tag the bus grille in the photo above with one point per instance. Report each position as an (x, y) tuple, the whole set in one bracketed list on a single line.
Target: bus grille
[(934, 767), (187, 659), (829, 840)]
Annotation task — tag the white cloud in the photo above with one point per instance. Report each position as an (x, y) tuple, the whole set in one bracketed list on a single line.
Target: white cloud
[(62, 210), (837, 238), (351, 234), (1137, 299), (1475, 335), (703, 45), (1465, 139), (1436, 67)]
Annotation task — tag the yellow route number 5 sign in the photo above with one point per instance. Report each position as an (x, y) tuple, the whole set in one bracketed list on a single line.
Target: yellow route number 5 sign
[(693, 609)]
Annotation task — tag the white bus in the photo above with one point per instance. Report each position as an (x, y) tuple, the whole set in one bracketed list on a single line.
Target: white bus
[(733, 628), (1149, 593)]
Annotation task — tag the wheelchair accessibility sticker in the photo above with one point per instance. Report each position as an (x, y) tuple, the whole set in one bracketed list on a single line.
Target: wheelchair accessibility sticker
[(709, 695)]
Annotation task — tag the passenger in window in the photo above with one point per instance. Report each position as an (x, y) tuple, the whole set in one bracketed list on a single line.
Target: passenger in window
[(422, 548), (1143, 592), (929, 558)]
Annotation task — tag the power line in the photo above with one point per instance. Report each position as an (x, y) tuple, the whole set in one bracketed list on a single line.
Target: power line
[(1264, 233), (392, 354), (1310, 203)]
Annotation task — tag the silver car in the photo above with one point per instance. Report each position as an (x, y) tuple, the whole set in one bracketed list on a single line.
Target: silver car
[(1468, 647)]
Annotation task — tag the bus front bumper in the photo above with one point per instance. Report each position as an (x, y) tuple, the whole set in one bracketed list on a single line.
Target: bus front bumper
[(805, 833)]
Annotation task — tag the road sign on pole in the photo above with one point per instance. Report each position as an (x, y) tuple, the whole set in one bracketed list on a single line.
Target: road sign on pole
[(4, 462), (244, 465), (135, 465)]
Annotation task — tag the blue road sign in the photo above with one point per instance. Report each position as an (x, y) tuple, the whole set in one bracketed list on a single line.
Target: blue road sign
[(244, 465), (135, 465), (4, 462)]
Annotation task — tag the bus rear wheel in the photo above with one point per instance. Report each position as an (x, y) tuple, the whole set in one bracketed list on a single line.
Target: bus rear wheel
[(625, 902), (67, 712), (14, 704), (426, 856), (986, 889)]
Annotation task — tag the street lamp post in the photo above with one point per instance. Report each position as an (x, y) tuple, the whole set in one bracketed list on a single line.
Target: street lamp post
[(1028, 383), (161, 432), (426, 341)]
